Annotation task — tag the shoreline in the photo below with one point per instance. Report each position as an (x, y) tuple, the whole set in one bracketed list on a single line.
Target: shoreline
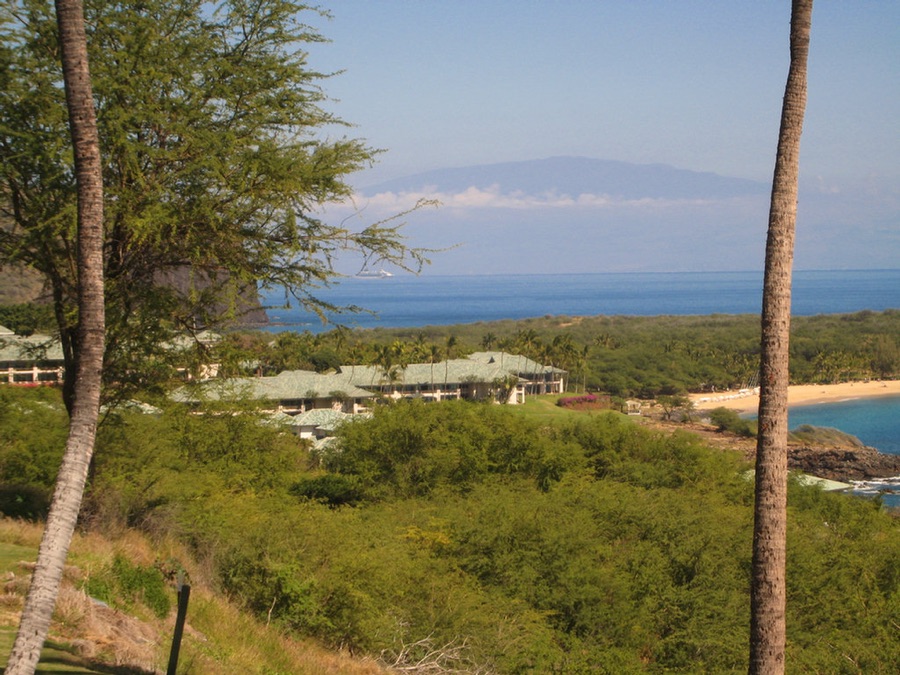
[(746, 401)]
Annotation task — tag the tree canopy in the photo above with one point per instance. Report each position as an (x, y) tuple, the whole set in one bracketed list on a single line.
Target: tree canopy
[(217, 163)]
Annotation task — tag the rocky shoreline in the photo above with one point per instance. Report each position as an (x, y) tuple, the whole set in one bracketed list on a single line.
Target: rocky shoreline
[(843, 464), (840, 461)]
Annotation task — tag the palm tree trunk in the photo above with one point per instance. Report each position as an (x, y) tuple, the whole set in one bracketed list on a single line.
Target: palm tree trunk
[(768, 590), (67, 496)]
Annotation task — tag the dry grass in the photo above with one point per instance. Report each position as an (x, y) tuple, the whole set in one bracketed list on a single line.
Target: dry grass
[(20, 532), (223, 640), (218, 637)]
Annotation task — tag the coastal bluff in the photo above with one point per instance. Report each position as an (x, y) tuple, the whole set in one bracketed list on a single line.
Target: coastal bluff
[(843, 464), (817, 451)]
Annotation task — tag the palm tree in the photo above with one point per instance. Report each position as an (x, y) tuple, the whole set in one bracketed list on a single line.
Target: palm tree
[(768, 594), (527, 340), (384, 359), (434, 355), (420, 346), (357, 356), (67, 496), (451, 345), (488, 340), (583, 364)]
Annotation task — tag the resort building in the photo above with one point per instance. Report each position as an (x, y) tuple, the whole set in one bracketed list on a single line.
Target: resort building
[(38, 359), (318, 424), (291, 392), (32, 360), (496, 376)]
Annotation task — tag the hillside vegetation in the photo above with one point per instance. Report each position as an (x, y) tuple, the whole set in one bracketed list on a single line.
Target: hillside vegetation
[(114, 614), (476, 538), (19, 284), (624, 356)]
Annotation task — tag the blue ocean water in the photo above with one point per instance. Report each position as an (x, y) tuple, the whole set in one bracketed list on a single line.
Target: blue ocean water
[(410, 301), (874, 421)]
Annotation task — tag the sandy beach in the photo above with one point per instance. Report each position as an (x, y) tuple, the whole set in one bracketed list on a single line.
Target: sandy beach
[(747, 400)]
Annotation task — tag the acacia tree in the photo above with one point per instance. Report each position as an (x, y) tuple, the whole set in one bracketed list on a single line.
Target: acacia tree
[(768, 590), (217, 164), (41, 599)]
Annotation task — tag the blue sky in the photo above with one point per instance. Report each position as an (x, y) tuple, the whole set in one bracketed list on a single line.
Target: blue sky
[(696, 84)]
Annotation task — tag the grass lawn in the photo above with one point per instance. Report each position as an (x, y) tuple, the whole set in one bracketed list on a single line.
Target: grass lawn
[(544, 408), (12, 554)]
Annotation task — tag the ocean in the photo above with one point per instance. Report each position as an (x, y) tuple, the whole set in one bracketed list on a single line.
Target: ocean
[(874, 421), (410, 301)]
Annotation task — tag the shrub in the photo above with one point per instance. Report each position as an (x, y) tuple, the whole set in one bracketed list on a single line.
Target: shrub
[(332, 489), (125, 583), (411, 448), (728, 420), (29, 502), (574, 401)]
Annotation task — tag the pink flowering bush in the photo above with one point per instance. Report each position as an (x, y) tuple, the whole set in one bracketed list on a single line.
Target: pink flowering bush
[(573, 401)]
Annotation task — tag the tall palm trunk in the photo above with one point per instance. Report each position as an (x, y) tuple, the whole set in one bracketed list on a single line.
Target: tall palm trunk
[(768, 594), (39, 604)]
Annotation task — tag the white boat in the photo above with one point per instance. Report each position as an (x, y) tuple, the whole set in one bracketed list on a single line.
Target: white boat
[(374, 274)]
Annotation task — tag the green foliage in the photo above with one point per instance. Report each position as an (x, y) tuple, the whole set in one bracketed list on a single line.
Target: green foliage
[(152, 466), (729, 420), (332, 489), (28, 318), (617, 449), (411, 448), (128, 583), (823, 437), (676, 405), (631, 356), (632, 555), (32, 438), (215, 167), (841, 556), (28, 502)]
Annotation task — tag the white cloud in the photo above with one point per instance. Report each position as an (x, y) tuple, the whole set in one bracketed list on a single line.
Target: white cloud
[(492, 198)]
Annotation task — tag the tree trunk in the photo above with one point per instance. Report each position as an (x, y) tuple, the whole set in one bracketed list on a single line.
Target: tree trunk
[(767, 595), (67, 496)]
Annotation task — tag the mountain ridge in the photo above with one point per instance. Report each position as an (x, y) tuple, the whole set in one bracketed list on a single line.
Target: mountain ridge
[(575, 175)]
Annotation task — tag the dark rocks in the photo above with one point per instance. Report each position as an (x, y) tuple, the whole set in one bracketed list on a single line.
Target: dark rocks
[(843, 464)]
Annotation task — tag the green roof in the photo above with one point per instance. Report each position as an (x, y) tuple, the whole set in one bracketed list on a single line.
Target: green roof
[(33, 348), (353, 381), (478, 367), (289, 385), (324, 418)]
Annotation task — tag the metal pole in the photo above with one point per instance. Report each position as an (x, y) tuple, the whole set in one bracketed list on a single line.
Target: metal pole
[(184, 594)]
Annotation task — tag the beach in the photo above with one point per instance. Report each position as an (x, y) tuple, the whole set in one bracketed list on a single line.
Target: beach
[(747, 400)]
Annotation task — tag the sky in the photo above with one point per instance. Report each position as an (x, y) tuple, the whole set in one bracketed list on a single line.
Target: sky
[(695, 84)]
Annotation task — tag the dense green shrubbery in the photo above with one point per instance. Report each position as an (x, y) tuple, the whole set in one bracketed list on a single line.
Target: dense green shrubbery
[(413, 448), (28, 318), (731, 421), (33, 427), (125, 581), (592, 545)]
